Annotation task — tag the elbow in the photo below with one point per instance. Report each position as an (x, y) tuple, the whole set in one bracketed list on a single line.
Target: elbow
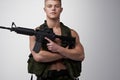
[(78, 57), (81, 57), (37, 57)]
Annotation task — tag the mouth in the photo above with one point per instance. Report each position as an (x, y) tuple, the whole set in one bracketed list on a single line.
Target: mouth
[(53, 13)]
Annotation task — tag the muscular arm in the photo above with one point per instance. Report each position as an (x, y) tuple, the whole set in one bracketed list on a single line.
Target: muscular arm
[(43, 56), (76, 53)]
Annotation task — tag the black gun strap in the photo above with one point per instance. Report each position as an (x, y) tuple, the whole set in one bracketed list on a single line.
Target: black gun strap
[(31, 77)]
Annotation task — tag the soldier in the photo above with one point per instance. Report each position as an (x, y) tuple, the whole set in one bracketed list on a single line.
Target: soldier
[(54, 61)]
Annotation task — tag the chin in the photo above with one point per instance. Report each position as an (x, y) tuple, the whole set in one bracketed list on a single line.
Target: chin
[(54, 18)]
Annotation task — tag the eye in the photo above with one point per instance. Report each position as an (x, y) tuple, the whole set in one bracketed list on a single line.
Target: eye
[(49, 6), (57, 6)]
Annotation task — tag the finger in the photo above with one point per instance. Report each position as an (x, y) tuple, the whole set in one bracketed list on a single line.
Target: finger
[(48, 39)]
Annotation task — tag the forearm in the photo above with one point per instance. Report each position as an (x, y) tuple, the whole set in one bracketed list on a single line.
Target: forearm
[(74, 54), (45, 56)]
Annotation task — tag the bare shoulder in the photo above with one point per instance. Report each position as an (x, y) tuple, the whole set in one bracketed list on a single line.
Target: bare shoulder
[(74, 33)]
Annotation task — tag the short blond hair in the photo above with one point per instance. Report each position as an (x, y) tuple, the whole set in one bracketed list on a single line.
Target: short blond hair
[(56, 0)]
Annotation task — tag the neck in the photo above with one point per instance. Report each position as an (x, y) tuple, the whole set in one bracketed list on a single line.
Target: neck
[(53, 23)]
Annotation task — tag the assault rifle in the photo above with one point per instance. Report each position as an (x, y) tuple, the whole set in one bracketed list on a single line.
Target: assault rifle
[(40, 34)]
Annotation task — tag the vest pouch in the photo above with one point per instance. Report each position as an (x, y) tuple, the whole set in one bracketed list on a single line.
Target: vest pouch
[(74, 67), (34, 67)]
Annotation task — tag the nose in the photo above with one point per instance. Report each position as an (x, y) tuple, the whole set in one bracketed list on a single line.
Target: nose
[(53, 8)]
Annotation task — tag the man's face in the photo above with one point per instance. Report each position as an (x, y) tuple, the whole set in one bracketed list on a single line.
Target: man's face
[(53, 9)]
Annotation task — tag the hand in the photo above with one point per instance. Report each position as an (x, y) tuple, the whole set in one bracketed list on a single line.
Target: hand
[(52, 46)]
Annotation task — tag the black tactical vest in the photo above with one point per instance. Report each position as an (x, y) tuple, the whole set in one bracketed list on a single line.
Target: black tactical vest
[(41, 68)]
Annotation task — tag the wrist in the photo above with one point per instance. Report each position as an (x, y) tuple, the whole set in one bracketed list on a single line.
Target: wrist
[(59, 49)]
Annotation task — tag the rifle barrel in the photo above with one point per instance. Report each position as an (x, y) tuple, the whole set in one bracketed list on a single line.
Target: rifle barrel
[(5, 28)]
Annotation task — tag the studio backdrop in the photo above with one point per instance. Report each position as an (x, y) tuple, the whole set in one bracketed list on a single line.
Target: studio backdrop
[(96, 21)]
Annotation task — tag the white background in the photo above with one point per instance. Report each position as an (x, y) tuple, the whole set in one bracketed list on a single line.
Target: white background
[(96, 21)]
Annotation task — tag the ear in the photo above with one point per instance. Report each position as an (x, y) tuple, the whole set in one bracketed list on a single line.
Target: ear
[(61, 9)]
